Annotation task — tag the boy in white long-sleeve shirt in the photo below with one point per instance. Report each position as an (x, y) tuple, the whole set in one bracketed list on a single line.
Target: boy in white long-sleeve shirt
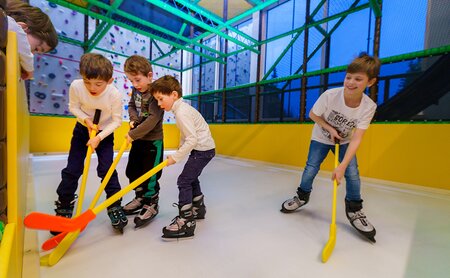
[(197, 142), (94, 91)]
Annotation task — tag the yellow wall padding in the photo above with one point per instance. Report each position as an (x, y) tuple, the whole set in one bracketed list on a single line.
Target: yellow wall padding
[(17, 154), (406, 153), (53, 134), (6, 249)]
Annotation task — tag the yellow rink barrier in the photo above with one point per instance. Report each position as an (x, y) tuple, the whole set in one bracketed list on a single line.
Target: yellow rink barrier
[(6, 249), (17, 128)]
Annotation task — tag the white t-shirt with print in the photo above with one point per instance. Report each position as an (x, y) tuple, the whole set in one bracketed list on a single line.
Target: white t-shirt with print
[(331, 107)]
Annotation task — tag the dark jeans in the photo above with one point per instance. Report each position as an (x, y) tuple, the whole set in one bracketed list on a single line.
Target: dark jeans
[(188, 182), (75, 164), (144, 156)]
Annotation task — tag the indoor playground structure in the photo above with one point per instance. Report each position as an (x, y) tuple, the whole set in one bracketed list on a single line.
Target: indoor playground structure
[(253, 69)]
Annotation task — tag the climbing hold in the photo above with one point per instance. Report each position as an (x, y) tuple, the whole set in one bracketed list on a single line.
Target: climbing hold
[(40, 95)]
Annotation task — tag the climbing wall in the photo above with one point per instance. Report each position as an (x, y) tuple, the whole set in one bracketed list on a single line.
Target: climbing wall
[(55, 71)]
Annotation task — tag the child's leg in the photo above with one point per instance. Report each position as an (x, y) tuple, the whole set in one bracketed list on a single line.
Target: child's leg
[(188, 179), (198, 200), (153, 156), (135, 166), (75, 164), (352, 179), (105, 155), (316, 155), (353, 201)]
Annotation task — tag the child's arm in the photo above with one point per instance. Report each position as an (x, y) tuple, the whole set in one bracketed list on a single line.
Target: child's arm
[(154, 117), (322, 123), (116, 115), (26, 58), (187, 129), (132, 111), (353, 146), (75, 106)]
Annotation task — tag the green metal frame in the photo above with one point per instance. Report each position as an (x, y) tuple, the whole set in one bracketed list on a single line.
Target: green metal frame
[(387, 60)]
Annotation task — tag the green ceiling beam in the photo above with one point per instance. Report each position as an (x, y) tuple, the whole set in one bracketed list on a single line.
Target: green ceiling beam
[(174, 50), (376, 7), (128, 27), (240, 17), (101, 30), (183, 27), (177, 12), (98, 35), (152, 26), (70, 41), (213, 17), (318, 22), (157, 46), (293, 40)]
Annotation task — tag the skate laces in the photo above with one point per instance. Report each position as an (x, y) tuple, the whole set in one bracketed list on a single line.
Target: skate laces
[(357, 215)]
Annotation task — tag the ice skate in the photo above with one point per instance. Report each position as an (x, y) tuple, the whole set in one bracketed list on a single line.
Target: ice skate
[(64, 209), (118, 218), (358, 219), (198, 207), (135, 205), (148, 212), (295, 202), (182, 226)]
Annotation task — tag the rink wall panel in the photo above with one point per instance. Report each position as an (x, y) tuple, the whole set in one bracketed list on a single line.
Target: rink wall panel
[(405, 153), (53, 134)]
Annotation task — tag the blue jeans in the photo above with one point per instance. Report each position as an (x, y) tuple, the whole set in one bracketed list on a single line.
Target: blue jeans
[(317, 153)]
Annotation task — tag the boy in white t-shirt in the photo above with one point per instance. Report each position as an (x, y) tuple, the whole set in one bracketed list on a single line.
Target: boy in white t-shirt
[(341, 114)]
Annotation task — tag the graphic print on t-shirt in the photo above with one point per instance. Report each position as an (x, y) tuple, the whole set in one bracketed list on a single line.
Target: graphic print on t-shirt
[(341, 123)]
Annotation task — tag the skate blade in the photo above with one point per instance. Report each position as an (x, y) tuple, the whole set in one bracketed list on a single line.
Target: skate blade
[(140, 223), (169, 239)]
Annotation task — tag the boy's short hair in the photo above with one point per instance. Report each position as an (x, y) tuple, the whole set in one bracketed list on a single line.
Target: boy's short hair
[(364, 63), (136, 64), (39, 24), (166, 85), (95, 66)]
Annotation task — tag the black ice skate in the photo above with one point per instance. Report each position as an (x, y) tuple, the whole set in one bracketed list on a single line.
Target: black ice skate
[(182, 226), (359, 221), (148, 212), (64, 209), (118, 218), (295, 202), (135, 205), (198, 207)]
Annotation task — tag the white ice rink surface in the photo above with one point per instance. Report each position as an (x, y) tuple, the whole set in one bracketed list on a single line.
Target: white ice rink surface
[(244, 233)]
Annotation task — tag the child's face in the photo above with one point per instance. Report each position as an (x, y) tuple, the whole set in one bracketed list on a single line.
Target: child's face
[(96, 86), (139, 81), (37, 45), (166, 101), (356, 83)]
